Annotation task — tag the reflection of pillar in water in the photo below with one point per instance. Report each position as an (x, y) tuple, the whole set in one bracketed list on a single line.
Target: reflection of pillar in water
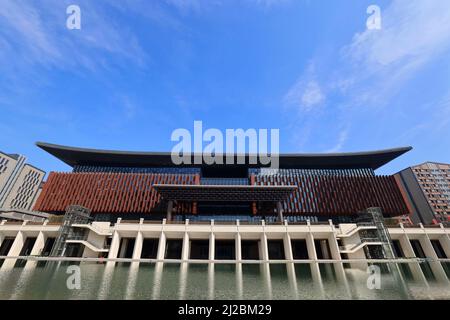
[(265, 270), (21, 284), (399, 281), (183, 280), (292, 279), (338, 265), (211, 281), (239, 281), (4, 277), (157, 280), (132, 280), (106, 282)]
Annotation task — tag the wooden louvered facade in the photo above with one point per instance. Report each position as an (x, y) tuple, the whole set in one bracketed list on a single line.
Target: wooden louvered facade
[(339, 195), (123, 193), (108, 192)]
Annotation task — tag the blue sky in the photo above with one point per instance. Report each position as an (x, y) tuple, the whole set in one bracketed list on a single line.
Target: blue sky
[(139, 69)]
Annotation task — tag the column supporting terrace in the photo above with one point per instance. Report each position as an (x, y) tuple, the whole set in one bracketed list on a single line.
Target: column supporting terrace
[(169, 210), (15, 250), (114, 248), (36, 250), (315, 270), (212, 246), (186, 246), (238, 246), (435, 265), (161, 246), (415, 268), (138, 245)]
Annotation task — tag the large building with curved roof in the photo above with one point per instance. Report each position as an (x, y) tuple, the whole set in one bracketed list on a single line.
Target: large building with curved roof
[(318, 187)]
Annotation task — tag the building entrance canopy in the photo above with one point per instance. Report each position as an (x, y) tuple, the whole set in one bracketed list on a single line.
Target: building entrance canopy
[(216, 193)]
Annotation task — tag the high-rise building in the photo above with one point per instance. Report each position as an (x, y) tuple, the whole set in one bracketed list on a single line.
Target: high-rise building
[(427, 187), (20, 182)]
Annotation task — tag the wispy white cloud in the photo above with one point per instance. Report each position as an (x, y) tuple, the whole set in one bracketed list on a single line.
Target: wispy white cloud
[(381, 61), (35, 34), (341, 139), (377, 65), (306, 93)]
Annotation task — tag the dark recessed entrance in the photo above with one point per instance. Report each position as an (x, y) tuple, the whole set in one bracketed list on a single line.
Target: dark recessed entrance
[(199, 249), (126, 248), (276, 249), (149, 248), (48, 246), (6, 246), (225, 250), (250, 249), (299, 249), (26, 251), (174, 248), (322, 249)]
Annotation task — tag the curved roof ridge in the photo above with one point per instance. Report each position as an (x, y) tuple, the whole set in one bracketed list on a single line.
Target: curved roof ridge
[(97, 157)]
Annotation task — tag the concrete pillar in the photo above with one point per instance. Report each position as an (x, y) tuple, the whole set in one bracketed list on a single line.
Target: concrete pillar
[(37, 249), (280, 211), (186, 247), (287, 244), (444, 240), (315, 270), (17, 245), (114, 248), (290, 267), (212, 246), (138, 245), (409, 253), (336, 255), (263, 248), (161, 246), (238, 247), (435, 265), (169, 210), (15, 250)]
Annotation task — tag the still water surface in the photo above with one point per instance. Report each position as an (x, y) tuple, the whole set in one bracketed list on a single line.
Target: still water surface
[(214, 281)]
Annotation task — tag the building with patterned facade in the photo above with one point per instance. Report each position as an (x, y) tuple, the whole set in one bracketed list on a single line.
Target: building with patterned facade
[(427, 186), (20, 183)]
